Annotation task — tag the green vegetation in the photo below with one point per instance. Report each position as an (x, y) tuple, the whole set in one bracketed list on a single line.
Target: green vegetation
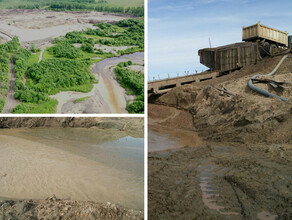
[(51, 76), (87, 47), (10, 46), (36, 81), (48, 107), (128, 32), (82, 88), (2, 103), (67, 68), (81, 99), (132, 34), (33, 49), (6, 51), (34, 58), (134, 7), (20, 64), (66, 50), (133, 81)]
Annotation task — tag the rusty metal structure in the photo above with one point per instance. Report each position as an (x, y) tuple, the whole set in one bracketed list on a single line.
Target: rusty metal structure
[(230, 57), (259, 41), (164, 85), (264, 33)]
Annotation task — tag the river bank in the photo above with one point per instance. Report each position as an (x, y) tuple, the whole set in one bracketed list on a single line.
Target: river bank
[(107, 96)]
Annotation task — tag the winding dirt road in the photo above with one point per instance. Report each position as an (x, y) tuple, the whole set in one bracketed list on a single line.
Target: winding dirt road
[(11, 102)]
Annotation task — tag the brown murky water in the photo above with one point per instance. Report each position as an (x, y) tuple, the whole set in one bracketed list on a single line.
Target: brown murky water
[(116, 95), (80, 164)]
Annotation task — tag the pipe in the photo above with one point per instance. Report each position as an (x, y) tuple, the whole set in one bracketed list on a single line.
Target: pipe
[(262, 91)]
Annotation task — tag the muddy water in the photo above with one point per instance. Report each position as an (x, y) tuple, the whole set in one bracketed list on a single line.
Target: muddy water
[(116, 94), (80, 164), (107, 96), (163, 139), (159, 142)]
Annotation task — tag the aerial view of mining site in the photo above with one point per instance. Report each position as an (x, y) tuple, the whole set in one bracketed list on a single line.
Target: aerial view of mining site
[(71, 56), (71, 168), (220, 142)]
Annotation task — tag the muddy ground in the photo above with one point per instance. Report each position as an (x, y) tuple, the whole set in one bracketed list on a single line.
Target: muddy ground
[(132, 125), (53, 208), (50, 24), (238, 162)]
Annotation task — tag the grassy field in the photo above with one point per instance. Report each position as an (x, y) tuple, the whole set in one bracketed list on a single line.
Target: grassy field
[(126, 3), (81, 99), (111, 3), (134, 7)]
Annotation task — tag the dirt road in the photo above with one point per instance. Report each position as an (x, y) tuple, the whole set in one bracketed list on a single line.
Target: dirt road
[(239, 166), (41, 54), (11, 102)]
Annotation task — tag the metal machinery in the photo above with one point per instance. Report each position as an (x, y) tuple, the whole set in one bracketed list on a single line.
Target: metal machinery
[(260, 41)]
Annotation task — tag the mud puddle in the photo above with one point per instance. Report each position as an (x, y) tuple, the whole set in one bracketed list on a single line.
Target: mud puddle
[(160, 142), (208, 171), (72, 163), (163, 139), (107, 96)]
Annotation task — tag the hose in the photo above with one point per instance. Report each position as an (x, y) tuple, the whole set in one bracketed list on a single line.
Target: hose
[(262, 91)]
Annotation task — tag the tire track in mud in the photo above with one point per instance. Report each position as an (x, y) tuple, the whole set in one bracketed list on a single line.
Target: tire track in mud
[(221, 180)]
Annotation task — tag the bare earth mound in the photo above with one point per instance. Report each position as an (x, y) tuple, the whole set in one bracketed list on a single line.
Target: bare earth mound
[(64, 209), (242, 169)]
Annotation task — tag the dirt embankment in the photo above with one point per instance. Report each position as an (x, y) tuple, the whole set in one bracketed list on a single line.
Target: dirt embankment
[(53, 208), (246, 118), (239, 167), (135, 125)]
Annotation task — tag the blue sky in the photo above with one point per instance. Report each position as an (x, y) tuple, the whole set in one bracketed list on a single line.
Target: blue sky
[(177, 29)]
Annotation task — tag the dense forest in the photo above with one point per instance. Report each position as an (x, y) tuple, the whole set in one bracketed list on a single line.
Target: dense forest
[(133, 81), (61, 5)]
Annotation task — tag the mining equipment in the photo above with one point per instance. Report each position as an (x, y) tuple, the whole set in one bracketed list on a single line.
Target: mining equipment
[(259, 41)]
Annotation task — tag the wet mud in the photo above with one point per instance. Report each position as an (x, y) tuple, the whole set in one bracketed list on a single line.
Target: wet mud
[(213, 180)]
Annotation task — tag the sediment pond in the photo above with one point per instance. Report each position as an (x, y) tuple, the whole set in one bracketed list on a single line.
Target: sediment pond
[(85, 164)]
